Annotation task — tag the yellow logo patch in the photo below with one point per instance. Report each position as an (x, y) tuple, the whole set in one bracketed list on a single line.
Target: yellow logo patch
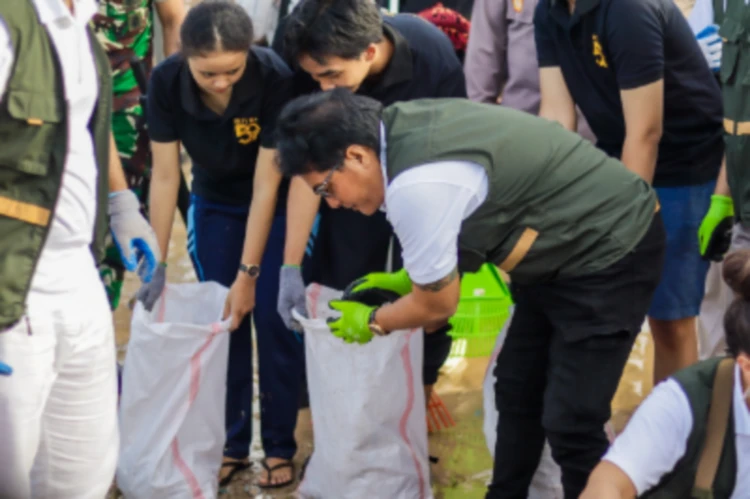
[(246, 130), (518, 5), (598, 52)]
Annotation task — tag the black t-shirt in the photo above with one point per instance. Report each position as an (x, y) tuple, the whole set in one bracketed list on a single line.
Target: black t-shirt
[(611, 45), (424, 64), (223, 148)]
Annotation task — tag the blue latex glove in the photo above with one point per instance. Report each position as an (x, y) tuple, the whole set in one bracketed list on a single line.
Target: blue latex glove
[(133, 235), (5, 369), (711, 45)]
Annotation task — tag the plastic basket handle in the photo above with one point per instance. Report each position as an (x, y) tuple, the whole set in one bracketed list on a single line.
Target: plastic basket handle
[(501, 282)]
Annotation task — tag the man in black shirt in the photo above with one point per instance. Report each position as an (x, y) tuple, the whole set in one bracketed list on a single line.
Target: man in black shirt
[(637, 74), (352, 44)]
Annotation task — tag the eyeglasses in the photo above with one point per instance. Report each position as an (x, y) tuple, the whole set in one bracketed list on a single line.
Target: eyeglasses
[(323, 189)]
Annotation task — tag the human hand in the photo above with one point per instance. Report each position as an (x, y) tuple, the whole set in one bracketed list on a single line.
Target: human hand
[(132, 234), (150, 291), (240, 300), (395, 282), (715, 232), (711, 46), (354, 324), (291, 296)]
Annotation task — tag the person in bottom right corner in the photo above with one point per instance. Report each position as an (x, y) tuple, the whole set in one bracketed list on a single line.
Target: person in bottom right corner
[(691, 436)]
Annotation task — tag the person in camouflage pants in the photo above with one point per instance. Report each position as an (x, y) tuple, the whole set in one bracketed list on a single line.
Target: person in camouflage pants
[(126, 30)]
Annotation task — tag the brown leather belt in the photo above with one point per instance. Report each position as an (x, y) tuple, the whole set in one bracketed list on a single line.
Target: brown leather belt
[(736, 127)]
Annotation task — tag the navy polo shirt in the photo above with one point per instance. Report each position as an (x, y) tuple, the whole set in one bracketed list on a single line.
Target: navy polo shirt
[(607, 46), (223, 148)]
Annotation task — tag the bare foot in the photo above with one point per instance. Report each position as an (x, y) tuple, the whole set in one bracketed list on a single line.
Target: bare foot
[(282, 474)]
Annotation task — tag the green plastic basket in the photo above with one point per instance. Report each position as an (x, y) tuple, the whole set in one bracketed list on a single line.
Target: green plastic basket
[(482, 311)]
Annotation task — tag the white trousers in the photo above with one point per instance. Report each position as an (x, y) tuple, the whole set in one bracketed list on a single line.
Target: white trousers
[(58, 410), (717, 298)]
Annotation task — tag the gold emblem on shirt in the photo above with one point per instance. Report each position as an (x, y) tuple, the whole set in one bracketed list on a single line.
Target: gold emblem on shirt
[(518, 5), (246, 130), (599, 58)]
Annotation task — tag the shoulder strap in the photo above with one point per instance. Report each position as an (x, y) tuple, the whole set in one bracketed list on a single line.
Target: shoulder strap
[(716, 429)]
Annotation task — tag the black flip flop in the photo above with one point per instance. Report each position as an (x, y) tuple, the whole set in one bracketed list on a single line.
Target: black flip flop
[(271, 469), (304, 468), (237, 466)]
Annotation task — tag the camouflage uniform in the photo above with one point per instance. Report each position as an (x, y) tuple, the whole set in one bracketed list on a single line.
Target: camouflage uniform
[(125, 28)]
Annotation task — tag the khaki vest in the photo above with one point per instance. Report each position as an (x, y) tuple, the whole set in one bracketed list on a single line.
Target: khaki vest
[(697, 381), (33, 143), (556, 205)]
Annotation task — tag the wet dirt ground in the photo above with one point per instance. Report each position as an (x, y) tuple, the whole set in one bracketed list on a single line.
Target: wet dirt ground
[(464, 466)]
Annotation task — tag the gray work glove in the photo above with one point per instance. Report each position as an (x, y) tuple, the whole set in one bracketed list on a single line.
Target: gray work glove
[(152, 290), (133, 235), (291, 296)]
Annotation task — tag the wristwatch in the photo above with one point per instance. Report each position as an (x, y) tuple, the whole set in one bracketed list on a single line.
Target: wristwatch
[(374, 326), (251, 270)]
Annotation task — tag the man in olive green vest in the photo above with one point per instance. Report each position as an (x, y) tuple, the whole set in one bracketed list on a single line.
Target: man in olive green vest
[(57, 183), (463, 184)]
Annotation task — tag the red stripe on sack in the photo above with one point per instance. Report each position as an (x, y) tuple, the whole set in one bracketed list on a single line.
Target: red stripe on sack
[(162, 306), (195, 374), (406, 357), (314, 293), (195, 487)]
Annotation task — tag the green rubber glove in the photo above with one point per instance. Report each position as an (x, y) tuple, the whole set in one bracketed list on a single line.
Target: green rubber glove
[(397, 282), (721, 209), (353, 325)]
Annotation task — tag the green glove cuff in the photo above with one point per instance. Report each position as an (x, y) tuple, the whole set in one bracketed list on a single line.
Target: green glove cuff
[(722, 204)]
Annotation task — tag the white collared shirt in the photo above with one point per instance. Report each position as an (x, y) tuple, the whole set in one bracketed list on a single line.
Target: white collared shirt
[(426, 206), (66, 255), (662, 424)]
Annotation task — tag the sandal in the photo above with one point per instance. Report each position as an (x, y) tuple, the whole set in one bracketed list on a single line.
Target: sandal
[(304, 468), (269, 474), (237, 466)]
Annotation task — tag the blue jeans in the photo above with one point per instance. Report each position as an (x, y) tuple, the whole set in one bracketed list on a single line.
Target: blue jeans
[(216, 234), (683, 278)]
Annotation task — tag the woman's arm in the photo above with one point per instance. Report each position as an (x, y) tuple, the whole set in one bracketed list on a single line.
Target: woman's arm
[(241, 299), (262, 207), (165, 182)]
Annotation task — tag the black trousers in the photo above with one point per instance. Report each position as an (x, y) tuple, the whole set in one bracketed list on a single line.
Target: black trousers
[(561, 363)]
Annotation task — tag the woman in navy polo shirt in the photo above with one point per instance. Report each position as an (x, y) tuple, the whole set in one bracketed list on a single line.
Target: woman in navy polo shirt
[(219, 97)]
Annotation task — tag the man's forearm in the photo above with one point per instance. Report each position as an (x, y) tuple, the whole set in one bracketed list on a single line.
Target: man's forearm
[(171, 32), (722, 186), (117, 180), (409, 312), (601, 490), (566, 117), (639, 156), (302, 208)]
